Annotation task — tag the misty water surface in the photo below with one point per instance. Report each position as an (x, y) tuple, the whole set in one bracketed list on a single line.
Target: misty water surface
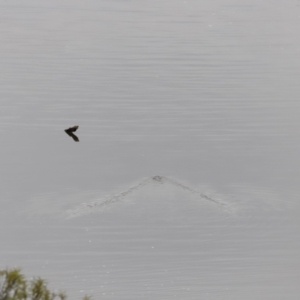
[(202, 93)]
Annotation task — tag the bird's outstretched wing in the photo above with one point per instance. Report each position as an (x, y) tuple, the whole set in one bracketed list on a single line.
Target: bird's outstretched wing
[(70, 131), (73, 136)]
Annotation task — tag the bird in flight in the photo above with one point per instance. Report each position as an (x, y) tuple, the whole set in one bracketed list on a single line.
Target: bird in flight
[(70, 131)]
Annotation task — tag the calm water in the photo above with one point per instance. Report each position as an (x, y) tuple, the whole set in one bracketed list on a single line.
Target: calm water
[(202, 92)]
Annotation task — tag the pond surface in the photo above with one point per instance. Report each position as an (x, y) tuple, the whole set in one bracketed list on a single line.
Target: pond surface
[(185, 181)]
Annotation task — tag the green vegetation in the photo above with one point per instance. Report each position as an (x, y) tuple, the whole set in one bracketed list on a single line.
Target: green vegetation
[(14, 286)]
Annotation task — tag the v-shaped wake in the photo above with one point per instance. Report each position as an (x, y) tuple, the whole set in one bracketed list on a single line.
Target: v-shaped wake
[(86, 208)]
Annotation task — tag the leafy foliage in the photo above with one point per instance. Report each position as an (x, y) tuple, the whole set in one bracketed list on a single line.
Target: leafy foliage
[(14, 286)]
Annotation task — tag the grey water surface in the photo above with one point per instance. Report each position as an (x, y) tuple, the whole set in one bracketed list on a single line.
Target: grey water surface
[(185, 182)]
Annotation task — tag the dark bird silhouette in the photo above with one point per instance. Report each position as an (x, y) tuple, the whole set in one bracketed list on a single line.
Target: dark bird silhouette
[(70, 131)]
